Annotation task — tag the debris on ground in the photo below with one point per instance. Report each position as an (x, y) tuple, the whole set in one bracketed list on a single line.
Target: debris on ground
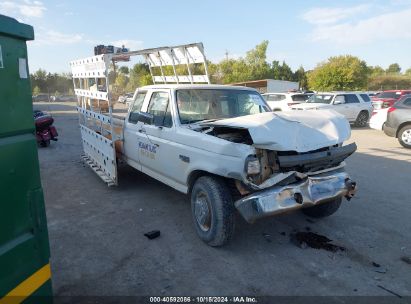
[(390, 291), (375, 264), (381, 270), (267, 237), (314, 240), (152, 234), (406, 259)]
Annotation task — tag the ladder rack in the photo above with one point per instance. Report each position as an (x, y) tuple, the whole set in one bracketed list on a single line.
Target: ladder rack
[(95, 101)]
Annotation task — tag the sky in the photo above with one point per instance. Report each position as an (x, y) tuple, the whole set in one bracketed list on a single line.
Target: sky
[(301, 32)]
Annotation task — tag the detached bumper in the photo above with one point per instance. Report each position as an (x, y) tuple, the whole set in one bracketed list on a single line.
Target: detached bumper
[(312, 191)]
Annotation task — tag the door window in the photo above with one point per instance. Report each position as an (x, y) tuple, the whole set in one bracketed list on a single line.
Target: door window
[(160, 109), (136, 107), (340, 99), (407, 101), (366, 97), (351, 98)]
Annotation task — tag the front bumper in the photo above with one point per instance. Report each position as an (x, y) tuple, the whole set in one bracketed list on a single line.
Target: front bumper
[(311, 191)]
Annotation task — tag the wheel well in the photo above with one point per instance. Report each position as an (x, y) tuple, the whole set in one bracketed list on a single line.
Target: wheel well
[(196, 174), (364, 111), (402, 126)]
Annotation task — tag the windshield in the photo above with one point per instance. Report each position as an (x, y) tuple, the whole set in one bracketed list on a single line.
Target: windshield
[(320, 98), (394, 95), (196, 105)]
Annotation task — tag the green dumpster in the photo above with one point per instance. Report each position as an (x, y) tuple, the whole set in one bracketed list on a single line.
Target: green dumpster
[(24, 246)]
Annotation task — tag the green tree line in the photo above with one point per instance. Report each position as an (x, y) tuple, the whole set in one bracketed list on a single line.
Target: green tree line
[(345, 72)]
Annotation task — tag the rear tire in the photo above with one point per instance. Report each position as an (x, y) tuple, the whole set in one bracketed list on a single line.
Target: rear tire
[(212, 209), (45, 143), (404, 137), (324, 209), (362, 119)]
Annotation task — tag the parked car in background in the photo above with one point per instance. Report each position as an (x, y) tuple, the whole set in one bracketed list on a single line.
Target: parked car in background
[(125, 97), (356, 107), (64, 98), (40, 97), (373, 93), (283, 101), (387, 98), (398, 122), (378, 118)]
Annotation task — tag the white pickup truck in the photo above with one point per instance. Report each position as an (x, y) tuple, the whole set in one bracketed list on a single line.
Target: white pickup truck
[(222, 146)]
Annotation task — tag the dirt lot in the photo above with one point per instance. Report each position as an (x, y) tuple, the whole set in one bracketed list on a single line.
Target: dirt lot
[(98, 246)]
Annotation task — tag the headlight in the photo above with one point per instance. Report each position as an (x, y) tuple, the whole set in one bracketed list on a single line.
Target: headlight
[(252, 166)]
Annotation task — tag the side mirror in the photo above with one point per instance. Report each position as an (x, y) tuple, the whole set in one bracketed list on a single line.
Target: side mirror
[(146, 118)]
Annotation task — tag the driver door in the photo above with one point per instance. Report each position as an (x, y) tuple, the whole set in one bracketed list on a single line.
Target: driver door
[(153, 137), (341, 106), (131, 134)]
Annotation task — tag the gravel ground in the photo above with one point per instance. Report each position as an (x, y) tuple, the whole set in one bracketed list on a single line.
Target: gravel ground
[(98, 246)]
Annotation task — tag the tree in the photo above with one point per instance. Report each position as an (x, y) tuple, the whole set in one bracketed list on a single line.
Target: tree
[(408, 72), (123, 69), (376, 71), (394, 68), (121, 83), (36, 90), (39, 79), (390, 82), (139, 76), (301, 77), (256, 60), (281, 71), (344, 72)]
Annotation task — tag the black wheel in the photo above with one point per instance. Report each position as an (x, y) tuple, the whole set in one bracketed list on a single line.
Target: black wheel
[(362, 119), (213, 210), (324, 209), (45, 143), (404, 137)]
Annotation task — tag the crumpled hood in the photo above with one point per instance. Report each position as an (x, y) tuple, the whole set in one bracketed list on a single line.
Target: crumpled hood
[(299, 131)]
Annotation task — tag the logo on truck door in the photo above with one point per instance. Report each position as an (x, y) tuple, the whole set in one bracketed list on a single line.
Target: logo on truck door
[(147, 150)]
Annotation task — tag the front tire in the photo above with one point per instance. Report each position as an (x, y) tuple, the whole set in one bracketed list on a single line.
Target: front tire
[(212, 209), (362, 119), (404, 137), (324, 209)]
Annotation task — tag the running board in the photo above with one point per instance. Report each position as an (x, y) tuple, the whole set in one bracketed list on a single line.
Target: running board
[(97, 169)]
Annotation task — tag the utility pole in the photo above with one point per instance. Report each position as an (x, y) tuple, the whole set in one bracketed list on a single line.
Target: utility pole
[(226, 55)]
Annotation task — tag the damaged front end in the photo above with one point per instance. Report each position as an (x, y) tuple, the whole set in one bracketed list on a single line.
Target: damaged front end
[(298, 161), (290, 180), (307, 192)]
